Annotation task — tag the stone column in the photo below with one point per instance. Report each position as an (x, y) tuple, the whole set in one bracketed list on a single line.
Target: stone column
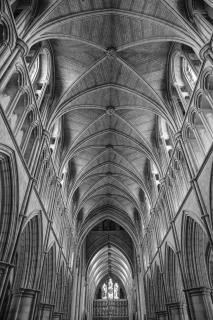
[(201, 302), (177, 311), (45, 311), (22, 304)]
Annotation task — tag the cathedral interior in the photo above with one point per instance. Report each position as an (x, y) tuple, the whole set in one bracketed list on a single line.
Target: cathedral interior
[(106, 176)]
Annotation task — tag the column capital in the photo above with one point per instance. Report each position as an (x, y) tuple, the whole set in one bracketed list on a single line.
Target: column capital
[(206, 52), (199, 291), (44, 305), (25, 292), (178, 136), (175, 305), (22, 46), (6, 265), (58, 180), (46, 134), (57, 315), (152, 211)]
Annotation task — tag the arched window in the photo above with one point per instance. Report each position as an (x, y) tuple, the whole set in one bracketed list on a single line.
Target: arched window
[(156, 176), (204, 105), (203, 134), (55, 134), (189, 73), (31, 144), (39, 65), (40, 73), (8, 93), (184, 72), (110, 290), (19, 109), (196, 153), (166, 139)]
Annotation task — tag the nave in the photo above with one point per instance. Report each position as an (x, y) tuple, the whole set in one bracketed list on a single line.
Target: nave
[(106, 159)]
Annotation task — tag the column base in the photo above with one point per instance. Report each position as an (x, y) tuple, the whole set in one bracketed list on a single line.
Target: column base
[(162, 315), (45, 311), (22, 304), (201, 303), (57, 316)]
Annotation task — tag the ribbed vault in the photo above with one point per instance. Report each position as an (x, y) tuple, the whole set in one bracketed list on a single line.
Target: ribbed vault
[(111, 95), (98, 268)]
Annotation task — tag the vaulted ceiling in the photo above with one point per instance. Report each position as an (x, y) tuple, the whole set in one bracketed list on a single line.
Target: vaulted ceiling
[(111, 74)]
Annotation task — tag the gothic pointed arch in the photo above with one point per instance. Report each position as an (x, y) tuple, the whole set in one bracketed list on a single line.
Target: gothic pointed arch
[(9, 200)]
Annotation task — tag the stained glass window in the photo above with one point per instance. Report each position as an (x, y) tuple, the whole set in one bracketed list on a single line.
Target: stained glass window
[(110, 290)]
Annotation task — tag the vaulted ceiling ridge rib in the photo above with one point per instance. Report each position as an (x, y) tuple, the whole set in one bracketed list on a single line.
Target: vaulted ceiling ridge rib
[(38, 20), (157, 39), (84, 171), (125, 63), (118, 259), (73, 151), (91, 195), (149, 155), (117, 267), (83, 75), (138, 133), (114, 203), (81, 133), (112, 206), (140, 16), (185, 22), (134, 175), (93, 189), (99, 214), (157, 109), (101, 60), (113, 243)]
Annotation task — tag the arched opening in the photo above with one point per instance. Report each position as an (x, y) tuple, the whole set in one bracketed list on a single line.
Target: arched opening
[(195, 244), (8, 201), (149, 298), (8, 93), (159, 290), (203, 134), (109, 272), (31, 144), (47, 283), (19, 109), (174, 286), (27, 269), (204, 105), (185, 66), (60, 292), (195, 151)]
